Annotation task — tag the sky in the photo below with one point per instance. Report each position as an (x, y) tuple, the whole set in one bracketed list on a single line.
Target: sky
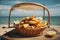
[(52, 5)]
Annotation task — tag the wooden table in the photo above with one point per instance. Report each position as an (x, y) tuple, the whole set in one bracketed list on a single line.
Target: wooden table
[(12, 35)]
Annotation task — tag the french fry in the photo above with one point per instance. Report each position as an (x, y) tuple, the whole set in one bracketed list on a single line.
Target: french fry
[(23, 19), (31, 17), (21, 22), (32, 22), (21, 26), (26, 25), (34, 19)]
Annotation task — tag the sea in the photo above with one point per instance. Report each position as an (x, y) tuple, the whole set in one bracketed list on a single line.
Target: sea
[(54, 20)]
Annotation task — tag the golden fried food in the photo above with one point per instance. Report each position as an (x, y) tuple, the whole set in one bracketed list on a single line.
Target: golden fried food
[(31, 17), (26, 21), (26, 25), (32, 27), (32, 22), (34, 19), (21, 22), (38, 25), (23, 19), (21, 26)]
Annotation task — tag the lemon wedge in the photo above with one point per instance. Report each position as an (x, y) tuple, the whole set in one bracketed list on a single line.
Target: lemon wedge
[(43, 23), (16, 22), (51, 33)]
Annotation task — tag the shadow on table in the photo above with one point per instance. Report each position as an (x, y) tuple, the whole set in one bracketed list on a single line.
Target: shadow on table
[(14, 34), (0, 37)]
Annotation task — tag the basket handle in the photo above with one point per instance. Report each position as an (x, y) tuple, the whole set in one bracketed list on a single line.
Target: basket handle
[(17, 5)]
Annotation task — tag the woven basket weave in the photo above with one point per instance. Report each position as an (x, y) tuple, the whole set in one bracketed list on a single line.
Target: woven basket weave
[(29, 6), (30, 32)]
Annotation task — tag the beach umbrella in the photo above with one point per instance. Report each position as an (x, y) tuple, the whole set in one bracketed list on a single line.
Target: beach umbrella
[(29, 6)]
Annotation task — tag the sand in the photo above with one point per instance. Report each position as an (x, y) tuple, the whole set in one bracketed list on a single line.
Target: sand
[(4, 30)]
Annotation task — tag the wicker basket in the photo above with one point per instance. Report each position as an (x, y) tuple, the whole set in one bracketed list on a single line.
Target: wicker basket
[(30, 32), (30, 6)]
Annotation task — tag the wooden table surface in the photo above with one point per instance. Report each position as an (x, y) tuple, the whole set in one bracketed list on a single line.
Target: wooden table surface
[(12, 35)]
